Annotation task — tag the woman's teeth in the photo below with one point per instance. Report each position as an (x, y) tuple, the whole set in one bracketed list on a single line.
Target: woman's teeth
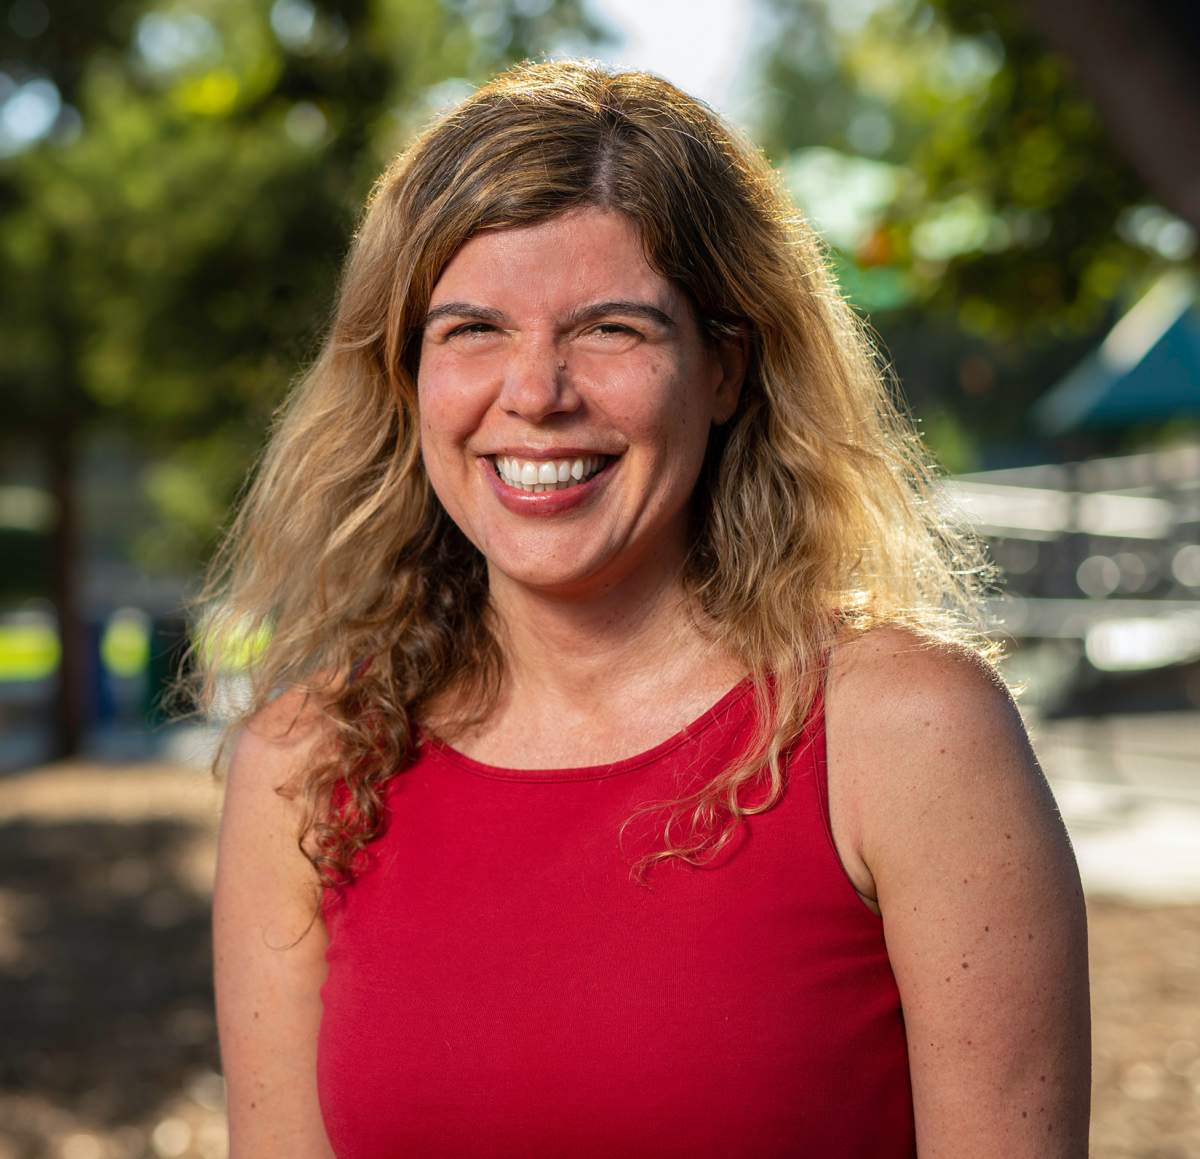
[(547, 474)]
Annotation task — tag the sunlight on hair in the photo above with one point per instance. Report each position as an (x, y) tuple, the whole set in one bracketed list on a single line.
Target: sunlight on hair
[(816, 518)]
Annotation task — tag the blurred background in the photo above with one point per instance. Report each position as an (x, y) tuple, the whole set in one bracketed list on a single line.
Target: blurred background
[(1011, 196)]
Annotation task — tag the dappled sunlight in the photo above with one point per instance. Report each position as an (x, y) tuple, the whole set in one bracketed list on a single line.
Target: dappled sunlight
[(108, 1044)]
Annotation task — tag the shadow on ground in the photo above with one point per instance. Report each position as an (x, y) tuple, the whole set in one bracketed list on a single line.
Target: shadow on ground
[(106, 1006)]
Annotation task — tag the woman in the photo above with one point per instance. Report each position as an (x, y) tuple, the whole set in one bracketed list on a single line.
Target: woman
[(652, 797)]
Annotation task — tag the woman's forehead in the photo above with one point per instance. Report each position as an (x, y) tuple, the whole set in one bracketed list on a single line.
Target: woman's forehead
[(578, 255)]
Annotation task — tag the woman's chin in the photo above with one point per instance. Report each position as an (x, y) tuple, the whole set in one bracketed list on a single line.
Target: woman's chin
[(561, 563), (574, 581)]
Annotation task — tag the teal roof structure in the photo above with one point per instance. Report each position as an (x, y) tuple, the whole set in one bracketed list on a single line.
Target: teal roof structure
[(1147, 369)]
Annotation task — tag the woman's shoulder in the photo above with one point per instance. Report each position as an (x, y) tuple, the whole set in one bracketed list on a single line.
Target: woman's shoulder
[(283, 739), (930, 768), (918, 727), (924, 743), (896, 679)]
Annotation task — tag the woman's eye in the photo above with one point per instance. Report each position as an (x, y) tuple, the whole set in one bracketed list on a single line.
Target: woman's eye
[(472, 328), (614, 330)]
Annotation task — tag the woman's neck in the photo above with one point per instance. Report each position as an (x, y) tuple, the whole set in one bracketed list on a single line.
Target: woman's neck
[(592, 681)]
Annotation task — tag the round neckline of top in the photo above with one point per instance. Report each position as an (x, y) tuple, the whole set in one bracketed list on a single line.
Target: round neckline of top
[(709, 717)]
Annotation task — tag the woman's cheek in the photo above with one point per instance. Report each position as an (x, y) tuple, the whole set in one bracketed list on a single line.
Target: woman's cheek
[(440, 446), (632, 396), (449, 405)]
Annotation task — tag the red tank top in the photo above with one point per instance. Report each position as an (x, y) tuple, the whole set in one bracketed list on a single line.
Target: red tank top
[(500, 986)]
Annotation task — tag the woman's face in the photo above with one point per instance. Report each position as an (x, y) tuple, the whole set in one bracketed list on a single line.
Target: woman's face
[(566, 398)]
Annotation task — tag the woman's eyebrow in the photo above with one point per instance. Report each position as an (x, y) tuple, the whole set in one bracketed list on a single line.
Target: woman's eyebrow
[(583, 315), (464, 310), (627, 309)]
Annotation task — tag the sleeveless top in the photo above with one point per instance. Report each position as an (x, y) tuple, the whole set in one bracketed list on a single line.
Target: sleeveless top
[(501, 985)]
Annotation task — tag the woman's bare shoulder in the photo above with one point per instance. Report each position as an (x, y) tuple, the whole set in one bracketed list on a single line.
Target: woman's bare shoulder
[(282, 740), (894, 679), (884, 652), (920, 732)]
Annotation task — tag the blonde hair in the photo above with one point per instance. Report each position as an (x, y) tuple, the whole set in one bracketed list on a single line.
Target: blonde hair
[(814, 515)]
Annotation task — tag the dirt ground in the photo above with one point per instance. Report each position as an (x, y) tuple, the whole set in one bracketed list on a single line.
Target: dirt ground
[(108, 1044), (1145, 966)]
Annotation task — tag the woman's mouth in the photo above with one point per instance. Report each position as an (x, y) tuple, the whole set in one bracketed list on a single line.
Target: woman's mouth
[(547, 474)]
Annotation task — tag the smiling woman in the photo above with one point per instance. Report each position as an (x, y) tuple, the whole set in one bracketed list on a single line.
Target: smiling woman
[(654, 796), (574, 355)]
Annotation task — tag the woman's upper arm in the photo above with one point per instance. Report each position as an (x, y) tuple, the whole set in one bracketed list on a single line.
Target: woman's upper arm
[(269, 944), (942, 815)]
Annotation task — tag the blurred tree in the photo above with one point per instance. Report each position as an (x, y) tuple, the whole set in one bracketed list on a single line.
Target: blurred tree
[(976, 204), (1137, 58), (168, 252)]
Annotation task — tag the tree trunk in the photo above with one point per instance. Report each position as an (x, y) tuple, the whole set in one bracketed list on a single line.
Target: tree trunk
[(1138, 60), (69, 717)]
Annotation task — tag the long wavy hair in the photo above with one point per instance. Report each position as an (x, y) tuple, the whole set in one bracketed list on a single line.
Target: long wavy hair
[(814, 516)]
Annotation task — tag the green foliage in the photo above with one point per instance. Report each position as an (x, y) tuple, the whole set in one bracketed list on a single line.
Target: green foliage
[(997, 192), (170, 266), (969, 188), (953, 447)]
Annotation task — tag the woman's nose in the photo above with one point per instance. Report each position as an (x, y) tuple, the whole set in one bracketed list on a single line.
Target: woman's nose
[(537, 380)]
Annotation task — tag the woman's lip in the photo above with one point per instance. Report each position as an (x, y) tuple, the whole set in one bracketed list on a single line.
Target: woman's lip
[(543, 502), (545, 457)]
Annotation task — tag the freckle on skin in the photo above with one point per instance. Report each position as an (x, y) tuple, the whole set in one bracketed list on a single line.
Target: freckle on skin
[(1024, 1114), (987, 929), (964, 965)]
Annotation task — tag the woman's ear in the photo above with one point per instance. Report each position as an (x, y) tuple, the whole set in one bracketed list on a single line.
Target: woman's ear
[(732, 353)]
